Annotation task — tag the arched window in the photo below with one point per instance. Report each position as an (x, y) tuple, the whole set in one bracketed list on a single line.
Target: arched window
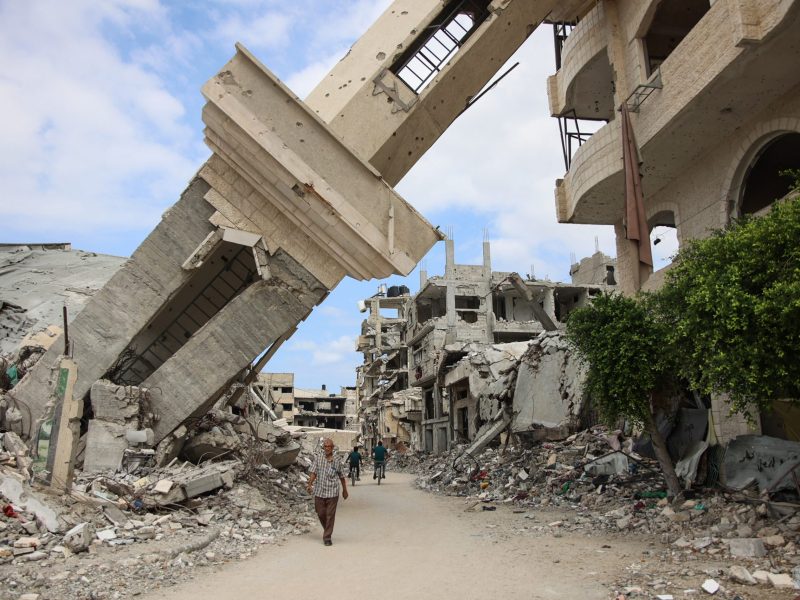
[(663, 238), (763, 183)]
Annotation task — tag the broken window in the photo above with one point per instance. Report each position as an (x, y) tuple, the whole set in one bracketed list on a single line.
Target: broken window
[(672, 22), (468, 302), (467, 316), (424, 58), (430, 411), (499, 306), (763, 183)]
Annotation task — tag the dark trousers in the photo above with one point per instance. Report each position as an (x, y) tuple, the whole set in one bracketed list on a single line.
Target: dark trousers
[(326, 511), (357, 467)]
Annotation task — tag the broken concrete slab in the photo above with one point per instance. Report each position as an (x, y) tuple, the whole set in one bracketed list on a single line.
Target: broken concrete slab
[(105, 446), (284, 456), (80, 537), (549, 393), (117, 403), (25, 498), (209, 445), (765, 459), (747, 547)]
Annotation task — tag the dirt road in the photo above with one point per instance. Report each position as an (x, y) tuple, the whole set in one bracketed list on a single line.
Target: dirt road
[(394, 541)]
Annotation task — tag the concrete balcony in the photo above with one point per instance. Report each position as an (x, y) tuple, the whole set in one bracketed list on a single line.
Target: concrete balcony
[(591, 190), (720, 77), (583, 84)]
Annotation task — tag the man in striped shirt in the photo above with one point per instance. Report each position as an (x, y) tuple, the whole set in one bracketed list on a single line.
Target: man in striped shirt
[(326, 474)]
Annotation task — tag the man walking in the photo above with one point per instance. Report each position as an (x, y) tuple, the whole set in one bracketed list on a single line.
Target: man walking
[(326, 473)]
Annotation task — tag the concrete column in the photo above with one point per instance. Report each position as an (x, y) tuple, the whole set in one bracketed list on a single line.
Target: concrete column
[(450, 258)]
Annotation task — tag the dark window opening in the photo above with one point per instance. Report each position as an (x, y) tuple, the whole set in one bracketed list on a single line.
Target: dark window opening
[(462, 423), (467, 316), (430, 308), (468, 302), (671, 23), (429, 405), (420, 63), (499, 306), (763, 183)]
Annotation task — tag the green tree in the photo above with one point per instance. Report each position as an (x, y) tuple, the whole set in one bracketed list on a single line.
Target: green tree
[(622, 344), (731, 303)]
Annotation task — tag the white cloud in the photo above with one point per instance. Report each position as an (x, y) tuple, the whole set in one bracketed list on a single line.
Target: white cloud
[(327, 352), (93, 140), (257, 32)]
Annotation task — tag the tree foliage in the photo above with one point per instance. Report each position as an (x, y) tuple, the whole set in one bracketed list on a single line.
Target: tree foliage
[(622, 344), (731, 309)]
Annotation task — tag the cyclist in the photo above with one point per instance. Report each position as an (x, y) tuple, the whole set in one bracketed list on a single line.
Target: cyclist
[(380, 454), (354, 459)]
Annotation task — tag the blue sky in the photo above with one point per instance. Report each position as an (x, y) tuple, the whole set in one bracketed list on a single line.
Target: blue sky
[(100, 114)]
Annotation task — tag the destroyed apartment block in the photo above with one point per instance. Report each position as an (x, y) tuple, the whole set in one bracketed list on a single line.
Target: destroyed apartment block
[(256, 241), (295, 197), (457, 343)]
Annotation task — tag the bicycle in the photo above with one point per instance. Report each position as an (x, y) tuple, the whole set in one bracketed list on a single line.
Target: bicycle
[(353, 475), (379, 470)]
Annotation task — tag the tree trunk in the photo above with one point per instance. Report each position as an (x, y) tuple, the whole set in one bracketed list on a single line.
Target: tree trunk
[(662, 455)]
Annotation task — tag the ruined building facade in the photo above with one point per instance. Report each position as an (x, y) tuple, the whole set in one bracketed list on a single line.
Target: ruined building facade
[(713, 92), (296, 196), (413, 388)]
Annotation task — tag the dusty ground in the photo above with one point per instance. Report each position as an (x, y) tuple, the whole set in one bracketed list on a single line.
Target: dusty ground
[(398, 542)]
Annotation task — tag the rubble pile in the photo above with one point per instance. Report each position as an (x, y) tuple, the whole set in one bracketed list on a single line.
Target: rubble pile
[(118, 534), (607, 489)]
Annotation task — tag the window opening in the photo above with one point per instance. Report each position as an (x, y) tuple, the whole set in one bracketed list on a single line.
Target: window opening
[(442, 39), (763, 183), (227, 276), (672, 22), (472, 302)]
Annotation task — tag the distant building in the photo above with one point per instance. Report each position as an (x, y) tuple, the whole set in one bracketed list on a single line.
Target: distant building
[(410, 342), (319, 408), (278, 389)]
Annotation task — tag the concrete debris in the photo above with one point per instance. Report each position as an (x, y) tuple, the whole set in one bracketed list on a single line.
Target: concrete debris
[(180, 515), (761, 546)]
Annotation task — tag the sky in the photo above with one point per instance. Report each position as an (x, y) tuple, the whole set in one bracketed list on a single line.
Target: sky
[(101, 131)]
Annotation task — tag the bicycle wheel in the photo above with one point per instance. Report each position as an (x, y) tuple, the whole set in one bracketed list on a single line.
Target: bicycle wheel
[(352, 477), (380, 475)]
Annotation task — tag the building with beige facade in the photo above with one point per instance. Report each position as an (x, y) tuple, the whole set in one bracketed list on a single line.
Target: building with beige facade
[(713, 93)]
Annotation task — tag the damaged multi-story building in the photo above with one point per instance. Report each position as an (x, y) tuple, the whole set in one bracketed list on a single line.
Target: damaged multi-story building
[(415, 388), (702, 94), (298, 194), (306, 407)]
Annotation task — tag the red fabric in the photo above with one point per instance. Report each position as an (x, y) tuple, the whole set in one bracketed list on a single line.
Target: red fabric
[(635, 219)]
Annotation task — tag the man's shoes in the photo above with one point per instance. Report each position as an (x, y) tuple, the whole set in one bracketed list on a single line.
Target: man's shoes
[(327, 542)]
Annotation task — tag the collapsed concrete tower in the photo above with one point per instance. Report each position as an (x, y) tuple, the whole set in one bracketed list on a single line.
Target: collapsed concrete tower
[(295, 197)]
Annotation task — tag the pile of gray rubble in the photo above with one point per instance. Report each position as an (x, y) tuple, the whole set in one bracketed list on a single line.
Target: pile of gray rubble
[(601, 487), (117, 534), (136, 515)]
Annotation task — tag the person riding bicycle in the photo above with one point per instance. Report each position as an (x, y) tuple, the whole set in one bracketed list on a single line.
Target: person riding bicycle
[(354, 459), (379, 454)]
